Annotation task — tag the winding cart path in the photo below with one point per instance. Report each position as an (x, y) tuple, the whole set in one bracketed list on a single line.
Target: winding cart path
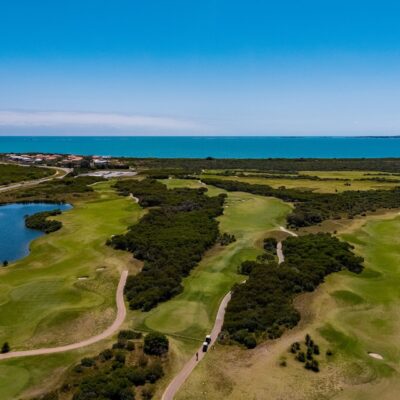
[(179, 379), (119, 319)]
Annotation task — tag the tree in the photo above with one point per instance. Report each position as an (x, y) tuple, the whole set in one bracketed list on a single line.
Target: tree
[(156, 344), (5, 263), (5, 348)]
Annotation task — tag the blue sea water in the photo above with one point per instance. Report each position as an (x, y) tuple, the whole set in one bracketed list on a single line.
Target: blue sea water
[(200, 147), (14, 236)]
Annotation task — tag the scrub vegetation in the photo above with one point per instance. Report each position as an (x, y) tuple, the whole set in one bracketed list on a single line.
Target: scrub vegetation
[(309, 182), (15, 173), (270, 164), (57, 190), (41, 222), (121, 372)]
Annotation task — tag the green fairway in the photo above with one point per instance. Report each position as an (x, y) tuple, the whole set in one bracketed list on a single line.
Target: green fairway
[(352, 315), (321, 186), (43, 303), (191, 314), (173, 183)]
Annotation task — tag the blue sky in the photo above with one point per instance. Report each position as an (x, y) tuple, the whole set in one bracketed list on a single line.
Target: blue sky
[(200, 68)]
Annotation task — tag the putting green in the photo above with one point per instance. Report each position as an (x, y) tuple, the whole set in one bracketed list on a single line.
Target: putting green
[(43, 303)]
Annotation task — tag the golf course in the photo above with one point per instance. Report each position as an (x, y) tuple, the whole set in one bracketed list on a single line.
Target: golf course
[(64, 291), (188, 317), (356, 317), (329, 182)]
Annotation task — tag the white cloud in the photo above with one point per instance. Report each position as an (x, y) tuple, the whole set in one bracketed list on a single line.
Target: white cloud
[(44, 119)]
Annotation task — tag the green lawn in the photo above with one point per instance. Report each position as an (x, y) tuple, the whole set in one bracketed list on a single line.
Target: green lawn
[(42, 302)]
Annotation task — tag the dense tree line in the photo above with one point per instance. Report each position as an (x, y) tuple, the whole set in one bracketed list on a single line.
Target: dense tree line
[(16, 173), (272, 164), (263, 305), (171, 238), (312, 208), (40, 222)]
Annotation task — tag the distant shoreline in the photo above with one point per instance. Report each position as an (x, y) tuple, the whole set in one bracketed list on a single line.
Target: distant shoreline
[(243, 147)]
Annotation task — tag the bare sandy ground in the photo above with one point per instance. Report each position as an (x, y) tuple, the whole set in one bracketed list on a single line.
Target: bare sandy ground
[(283, 229), (135, 199), (279, 253), (121, 313)]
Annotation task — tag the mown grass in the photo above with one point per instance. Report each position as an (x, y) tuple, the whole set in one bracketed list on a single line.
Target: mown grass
[(42, 302), (351, 315), (321, 186)]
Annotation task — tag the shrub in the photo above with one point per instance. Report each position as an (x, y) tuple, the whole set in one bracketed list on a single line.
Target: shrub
[(106, 355), (301, 356), (130, 346), (315, 366), (143, 360), (5, 348), (156, 344), (129, 334), (148, 392), (120, 357), (87, 362), (154, 372)]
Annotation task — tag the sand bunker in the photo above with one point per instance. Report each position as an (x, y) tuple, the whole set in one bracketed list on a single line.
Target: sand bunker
[(100, 269), (82, 278), (375, 355)]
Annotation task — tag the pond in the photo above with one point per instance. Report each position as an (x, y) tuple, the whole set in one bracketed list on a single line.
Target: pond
[(15, 238)]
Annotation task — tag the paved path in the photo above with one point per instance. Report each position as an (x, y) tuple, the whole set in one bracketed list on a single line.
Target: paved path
[(59, 174), (121, 313), (179, 379)]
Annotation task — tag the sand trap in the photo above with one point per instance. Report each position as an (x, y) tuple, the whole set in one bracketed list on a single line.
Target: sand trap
[(375, 355), (82, 278), (100, 269)]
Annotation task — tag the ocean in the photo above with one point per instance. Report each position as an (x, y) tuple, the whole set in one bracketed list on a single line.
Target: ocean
[(210, 146)]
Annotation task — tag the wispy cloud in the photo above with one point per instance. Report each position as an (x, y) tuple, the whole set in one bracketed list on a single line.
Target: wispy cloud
[(37, 119)]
